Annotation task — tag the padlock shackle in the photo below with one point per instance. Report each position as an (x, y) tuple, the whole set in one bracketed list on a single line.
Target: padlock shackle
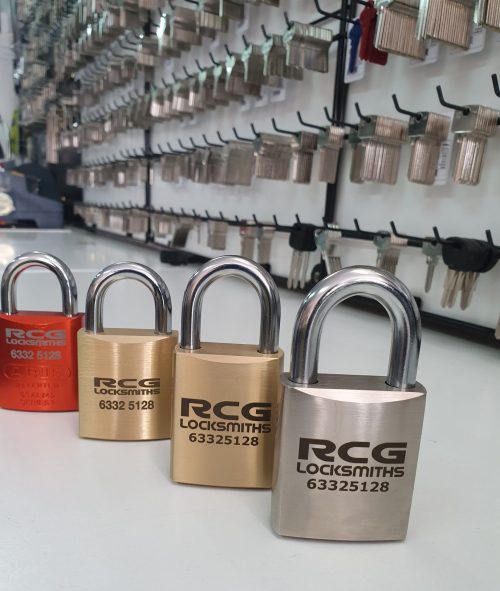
[(117, 272), (369, 282), (232, 266), (47, 261)]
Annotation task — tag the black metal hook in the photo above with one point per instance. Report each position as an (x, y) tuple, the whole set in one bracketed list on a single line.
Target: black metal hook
[(228, 51), (212, 59), (245, 42), (439, 239), (169, 146), (360, 115), (417, 116), (198, 65), (415, 239), (287, 20), (465, 110), (335, 122), (240, 138), (186, 72), (165, 83), (221, 138), (210, 144), (496, 85), (334, 15), (254, 131), (183, 146), (366, 233), (264, 32), (195, 145), (276, 128), (311, 125)]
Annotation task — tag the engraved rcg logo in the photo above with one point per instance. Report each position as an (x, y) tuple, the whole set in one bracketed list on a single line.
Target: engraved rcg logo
[(352, 459), (127, 386), (35, 337), (227, 415)]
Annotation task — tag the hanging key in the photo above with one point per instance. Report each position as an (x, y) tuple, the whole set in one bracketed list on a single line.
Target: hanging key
[(466, 259), (427, 133), (327, 240), (330, 142), (265, 235), (377, 149), (217, 234), (307, 46), (433, 251), (472, 125), (248, 235), (389, 248), (272, 156), (449, 21), (303, 146), (302, 241), (487, 14), (396, 28)]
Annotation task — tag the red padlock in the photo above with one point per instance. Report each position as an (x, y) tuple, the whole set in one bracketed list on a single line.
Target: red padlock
[(38, 350)]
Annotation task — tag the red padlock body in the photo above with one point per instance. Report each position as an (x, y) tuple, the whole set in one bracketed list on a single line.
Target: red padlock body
[(38, 361)]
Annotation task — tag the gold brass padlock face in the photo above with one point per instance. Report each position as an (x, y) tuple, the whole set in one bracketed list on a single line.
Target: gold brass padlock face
[(225, 410), (125, 384)]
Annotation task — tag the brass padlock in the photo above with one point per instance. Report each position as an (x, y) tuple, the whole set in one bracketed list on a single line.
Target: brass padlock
[(348, 445), (125, 376), (226, 396)]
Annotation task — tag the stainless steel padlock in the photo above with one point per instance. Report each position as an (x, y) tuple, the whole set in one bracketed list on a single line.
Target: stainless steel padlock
[(348, 446)]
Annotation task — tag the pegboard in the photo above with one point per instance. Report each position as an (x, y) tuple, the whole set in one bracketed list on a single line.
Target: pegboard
[(456, 210)]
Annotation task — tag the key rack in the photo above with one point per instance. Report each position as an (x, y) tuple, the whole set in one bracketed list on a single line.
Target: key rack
[(356, 102)]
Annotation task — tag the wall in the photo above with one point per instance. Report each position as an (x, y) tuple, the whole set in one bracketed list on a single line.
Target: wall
[(456, 210), (9, 100)]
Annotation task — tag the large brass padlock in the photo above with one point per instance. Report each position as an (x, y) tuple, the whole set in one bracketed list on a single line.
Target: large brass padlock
[(38, 350), (226, 396), (126, 375), (348, 445)]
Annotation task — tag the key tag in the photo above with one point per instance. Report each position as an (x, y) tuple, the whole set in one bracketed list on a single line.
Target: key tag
[(348, 445), (38, 349), (355, 67)]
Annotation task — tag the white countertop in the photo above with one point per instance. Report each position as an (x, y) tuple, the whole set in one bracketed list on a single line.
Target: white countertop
[(85, 515)]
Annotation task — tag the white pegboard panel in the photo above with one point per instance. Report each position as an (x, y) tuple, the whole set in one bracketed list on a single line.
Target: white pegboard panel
[(456, 210)]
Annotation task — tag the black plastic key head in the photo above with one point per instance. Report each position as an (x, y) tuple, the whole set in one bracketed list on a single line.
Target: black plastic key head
[(466, 254), (302, 237)]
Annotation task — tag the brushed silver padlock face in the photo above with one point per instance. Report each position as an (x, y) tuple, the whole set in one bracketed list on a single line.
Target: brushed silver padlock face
[(348, 450)]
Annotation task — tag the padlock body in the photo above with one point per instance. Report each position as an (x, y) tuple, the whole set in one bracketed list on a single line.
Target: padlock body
[(38, 356), (225, 410), (125, 380), (346, 457)]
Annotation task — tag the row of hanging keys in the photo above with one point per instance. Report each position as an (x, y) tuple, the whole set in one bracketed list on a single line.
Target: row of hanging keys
[(403, 26)]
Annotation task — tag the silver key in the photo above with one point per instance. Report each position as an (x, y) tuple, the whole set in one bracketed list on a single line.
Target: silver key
[(327, 240), (248, 234), (432, 252)]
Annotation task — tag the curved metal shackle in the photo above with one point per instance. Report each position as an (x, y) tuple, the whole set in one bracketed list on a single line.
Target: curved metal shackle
[(232, 266), (358, 281), (47, 261), (116, 272)]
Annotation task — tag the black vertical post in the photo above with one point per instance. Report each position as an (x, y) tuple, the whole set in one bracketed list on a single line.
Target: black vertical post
[(147, 145), (340, 92)]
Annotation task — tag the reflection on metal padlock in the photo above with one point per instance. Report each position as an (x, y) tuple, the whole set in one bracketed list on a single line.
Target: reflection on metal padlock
[(226, 396), (348, 446), (38, 350), (126, 375)]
